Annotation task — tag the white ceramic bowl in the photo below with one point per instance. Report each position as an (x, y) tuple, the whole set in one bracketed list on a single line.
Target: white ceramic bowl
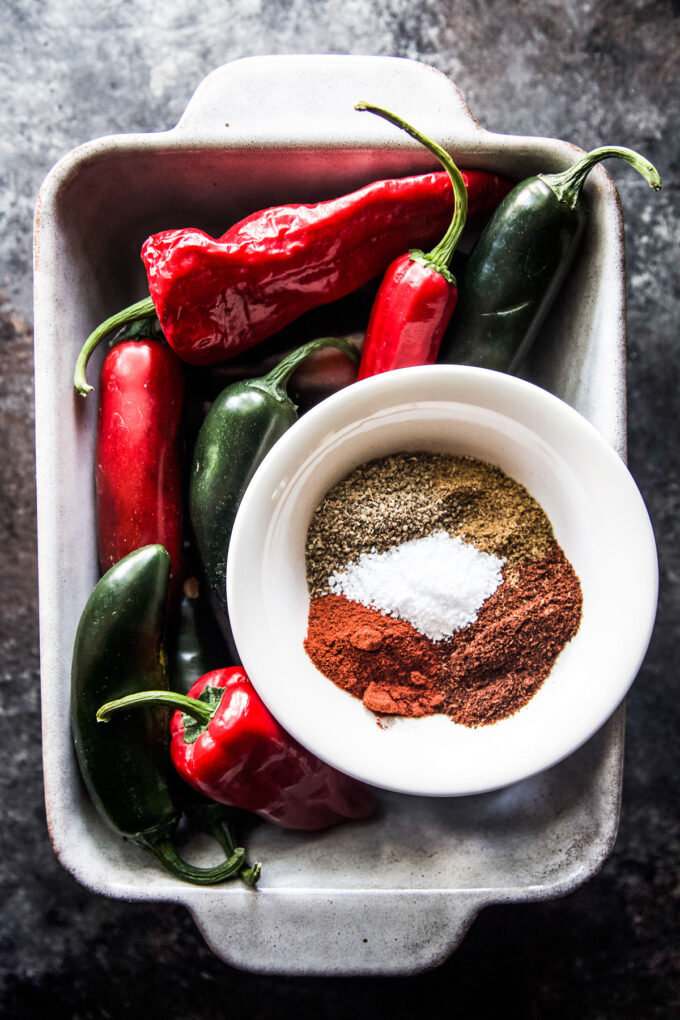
[(598, 517)]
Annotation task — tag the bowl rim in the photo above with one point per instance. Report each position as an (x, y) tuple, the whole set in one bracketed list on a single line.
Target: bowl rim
[(274, 481)]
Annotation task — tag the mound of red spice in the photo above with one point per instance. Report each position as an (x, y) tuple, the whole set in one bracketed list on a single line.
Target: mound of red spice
[(485, 672), (382, 660), (495, 665)]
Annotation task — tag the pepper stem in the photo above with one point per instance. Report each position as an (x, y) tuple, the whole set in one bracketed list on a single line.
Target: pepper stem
[(198, 710), (440, 256), (164, 852), (214, 818), (141, 310), (249, 873), (276, 379), (567, 184)]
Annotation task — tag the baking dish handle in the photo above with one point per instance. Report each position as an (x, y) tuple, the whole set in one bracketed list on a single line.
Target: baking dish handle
[(362, 933), (291, 100)]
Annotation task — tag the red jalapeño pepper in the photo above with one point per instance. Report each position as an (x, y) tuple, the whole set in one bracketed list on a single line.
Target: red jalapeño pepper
[(216, 297), (138, 466), (229, 747), (418, 293)]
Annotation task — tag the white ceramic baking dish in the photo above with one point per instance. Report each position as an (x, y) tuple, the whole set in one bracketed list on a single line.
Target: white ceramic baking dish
[(394, 896)]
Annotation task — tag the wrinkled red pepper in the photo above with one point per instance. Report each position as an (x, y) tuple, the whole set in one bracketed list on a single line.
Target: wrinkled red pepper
[(229, 747), (215, 297), (418, 293), (138, 458)]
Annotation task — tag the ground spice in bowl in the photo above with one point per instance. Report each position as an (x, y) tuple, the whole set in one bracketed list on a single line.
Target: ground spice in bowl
[(437, 587)]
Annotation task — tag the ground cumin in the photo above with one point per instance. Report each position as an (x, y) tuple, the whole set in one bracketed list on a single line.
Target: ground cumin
[(410, 495), (485, 672)]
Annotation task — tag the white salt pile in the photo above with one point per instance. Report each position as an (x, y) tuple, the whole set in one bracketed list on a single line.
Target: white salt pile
[(437, 583)]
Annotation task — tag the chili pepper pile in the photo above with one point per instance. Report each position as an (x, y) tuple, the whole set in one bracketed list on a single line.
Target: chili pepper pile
[(173, 462)]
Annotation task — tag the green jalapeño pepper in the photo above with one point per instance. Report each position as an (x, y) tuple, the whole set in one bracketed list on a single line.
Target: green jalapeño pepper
[(228, 746), (196, 644), (241, 427), (118, 651), (520, 261)]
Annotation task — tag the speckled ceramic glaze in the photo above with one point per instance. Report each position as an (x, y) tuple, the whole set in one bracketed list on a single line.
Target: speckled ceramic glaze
[(364, 898)]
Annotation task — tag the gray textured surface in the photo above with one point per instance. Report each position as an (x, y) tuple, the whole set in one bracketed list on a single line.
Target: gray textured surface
[(590, 73)]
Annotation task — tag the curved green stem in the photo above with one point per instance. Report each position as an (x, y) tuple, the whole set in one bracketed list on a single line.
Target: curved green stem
[(567, 184), (198, 710), (221, 830), (141, 310), (211, 815), (440, 256), (276, 379), (164, 852)]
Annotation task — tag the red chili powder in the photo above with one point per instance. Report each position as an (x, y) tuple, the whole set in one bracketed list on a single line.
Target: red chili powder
[(485, 672), (384, 661)]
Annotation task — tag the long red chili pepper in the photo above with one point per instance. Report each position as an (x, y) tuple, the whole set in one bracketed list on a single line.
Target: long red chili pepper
[(418, 293), (218, 296), (229, 747), (138, 470)]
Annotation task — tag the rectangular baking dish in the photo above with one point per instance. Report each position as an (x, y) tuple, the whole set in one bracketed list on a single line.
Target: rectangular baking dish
[(396, 895)]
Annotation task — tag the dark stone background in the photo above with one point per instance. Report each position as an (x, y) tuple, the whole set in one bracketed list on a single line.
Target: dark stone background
[(589, 72)]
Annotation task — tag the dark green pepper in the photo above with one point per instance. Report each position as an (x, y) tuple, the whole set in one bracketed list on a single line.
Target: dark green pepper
[(118, 651), (196, 645), (517, 267), (243, 424)]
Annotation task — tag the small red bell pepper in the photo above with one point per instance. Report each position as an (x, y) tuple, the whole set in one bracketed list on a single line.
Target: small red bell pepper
[(138, 463), (228, 746), (418, 294)]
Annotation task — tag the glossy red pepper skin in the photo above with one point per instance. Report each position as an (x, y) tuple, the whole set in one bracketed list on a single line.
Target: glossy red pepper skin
[(418, 293), (244, 758), (217, 297), (138, 467), (409, 317)]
